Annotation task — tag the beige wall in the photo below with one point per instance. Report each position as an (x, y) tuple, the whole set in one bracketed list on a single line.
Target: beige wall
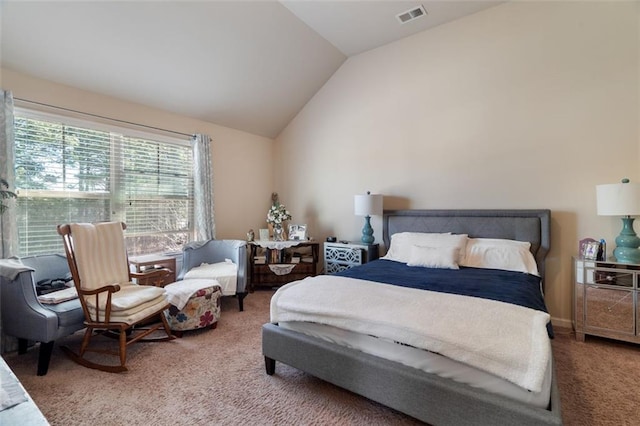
[(242, 162), (525, 105)]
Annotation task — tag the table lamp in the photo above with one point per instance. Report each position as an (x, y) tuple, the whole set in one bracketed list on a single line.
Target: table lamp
[(622, 199), (368, 205)]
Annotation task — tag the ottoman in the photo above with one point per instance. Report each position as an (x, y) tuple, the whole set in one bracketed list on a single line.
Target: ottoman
[(194, 304)]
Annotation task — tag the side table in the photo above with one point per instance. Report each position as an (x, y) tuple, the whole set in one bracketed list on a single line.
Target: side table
[(281, 262), (150, 262), (341, 256), (605, 299)]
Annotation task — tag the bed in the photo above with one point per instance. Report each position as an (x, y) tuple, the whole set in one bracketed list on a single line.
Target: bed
[(432, 395)]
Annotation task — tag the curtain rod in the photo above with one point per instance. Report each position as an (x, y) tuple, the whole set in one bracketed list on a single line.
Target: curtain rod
[(103, 117)]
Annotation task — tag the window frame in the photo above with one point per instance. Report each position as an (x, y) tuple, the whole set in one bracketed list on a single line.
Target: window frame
[(115, 194)]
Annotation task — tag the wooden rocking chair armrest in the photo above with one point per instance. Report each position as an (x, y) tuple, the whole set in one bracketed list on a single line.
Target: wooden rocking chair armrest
[(109, 288)]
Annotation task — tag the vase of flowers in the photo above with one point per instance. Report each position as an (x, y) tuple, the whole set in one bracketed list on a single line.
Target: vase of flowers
[(276, 217)]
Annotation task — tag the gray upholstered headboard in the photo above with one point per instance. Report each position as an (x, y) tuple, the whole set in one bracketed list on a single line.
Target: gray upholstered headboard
[(521, 225)]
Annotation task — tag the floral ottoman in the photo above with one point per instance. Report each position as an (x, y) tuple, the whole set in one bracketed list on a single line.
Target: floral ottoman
[(200, 305)]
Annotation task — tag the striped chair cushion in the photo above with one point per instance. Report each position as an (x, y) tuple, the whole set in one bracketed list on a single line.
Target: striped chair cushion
[(101, 255)]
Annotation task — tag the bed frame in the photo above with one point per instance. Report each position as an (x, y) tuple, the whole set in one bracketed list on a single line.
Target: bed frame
[(427, 397)]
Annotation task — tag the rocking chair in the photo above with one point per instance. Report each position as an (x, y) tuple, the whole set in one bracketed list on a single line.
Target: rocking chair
[(113, 305)]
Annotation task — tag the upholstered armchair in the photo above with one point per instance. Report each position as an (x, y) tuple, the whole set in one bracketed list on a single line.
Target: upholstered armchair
[(24, 317), (211, 260)]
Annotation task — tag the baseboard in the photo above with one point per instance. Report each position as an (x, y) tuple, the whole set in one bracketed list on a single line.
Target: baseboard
[(561, 322)]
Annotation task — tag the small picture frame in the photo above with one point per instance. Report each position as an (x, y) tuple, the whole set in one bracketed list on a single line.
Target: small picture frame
[(590, 250), (297, 232), (264, 234), (582, 243)]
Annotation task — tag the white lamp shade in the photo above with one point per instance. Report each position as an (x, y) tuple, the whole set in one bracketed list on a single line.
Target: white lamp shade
[(368, 205), (618, 199)]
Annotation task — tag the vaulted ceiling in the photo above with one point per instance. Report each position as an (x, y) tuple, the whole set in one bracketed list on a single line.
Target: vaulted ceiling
[(248, 65)]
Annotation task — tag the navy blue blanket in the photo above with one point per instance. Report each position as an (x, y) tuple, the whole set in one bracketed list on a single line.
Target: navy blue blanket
[(505, 286)]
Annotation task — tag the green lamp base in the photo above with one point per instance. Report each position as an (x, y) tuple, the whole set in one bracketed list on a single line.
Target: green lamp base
[(627, 243), (367, 231)]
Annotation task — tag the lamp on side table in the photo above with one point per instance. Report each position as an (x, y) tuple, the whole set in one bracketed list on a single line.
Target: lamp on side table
[(622, 199), (368, 205)]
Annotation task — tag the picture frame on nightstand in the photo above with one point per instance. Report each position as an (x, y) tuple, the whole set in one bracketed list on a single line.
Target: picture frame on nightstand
[(590, 250)]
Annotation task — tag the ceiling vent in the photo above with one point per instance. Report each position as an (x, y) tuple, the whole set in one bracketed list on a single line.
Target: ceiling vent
[(410, 15)]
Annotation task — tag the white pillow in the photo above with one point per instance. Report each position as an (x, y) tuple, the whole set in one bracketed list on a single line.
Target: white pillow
[(402, 242), (509, 255), (434, 257)]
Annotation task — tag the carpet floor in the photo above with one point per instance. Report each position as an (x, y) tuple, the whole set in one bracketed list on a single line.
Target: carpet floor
[(217, 377)]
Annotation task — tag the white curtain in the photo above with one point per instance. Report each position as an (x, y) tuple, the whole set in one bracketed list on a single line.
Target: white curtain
[(205, 226), (8, 224)]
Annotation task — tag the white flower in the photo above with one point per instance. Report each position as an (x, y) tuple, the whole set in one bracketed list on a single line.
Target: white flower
[(277, 214)]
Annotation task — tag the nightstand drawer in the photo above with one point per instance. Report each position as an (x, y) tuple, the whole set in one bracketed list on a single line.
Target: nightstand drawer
[(605, 299), (333, 268), (612, 277), (609, 309), (341, 256)]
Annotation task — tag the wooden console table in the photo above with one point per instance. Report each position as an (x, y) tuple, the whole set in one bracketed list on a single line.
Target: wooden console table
[(274, 263)]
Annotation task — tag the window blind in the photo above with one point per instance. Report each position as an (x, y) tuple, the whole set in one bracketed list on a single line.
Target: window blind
[(68, 172), (157, 186)]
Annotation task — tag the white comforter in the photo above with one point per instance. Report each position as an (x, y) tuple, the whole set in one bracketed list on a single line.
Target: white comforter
[(503, 339)]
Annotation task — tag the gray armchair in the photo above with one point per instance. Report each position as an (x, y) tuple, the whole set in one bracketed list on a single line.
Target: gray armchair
[(214, 251), (24, 317)]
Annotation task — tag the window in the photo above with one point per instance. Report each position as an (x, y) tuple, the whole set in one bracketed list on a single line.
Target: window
[(69, 170)]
